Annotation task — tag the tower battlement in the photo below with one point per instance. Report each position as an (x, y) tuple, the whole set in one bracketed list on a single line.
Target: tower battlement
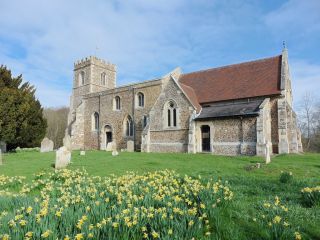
[(96, 61)]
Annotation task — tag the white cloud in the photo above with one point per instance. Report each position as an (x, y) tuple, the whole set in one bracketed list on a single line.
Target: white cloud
[(296, 18), (144, 38), (305, 79)]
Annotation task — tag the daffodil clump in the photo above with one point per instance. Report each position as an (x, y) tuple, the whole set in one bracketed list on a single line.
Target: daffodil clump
[(286, 177), (311, 196), (72, 205), (273, 217), (9, 182)]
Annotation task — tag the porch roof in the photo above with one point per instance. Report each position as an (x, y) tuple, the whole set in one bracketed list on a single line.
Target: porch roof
[(230, 110)]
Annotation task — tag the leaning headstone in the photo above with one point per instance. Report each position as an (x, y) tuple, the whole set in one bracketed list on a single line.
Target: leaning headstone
[(63, 157), (67, 142), (3, 147), (82, 153), (46, 145), (115, 153), (130, 146), (268, 159), (1, 157)]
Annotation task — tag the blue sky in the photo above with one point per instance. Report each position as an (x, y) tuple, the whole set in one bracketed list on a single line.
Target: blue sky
[(148, 38)]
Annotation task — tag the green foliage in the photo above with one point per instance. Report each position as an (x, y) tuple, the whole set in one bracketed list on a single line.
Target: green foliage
[(21, 120), (156, 205), (310, 196), (251, 188), (273, 218), (286, 177)]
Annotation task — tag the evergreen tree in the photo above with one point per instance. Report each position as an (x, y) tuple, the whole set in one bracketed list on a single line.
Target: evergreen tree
[(21, 120)]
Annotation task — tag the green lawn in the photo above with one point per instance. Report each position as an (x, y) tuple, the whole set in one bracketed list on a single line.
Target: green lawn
[(251, 186), (306, 166)]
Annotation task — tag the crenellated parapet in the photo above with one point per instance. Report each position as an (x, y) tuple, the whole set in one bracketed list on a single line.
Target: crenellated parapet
[(92, 60)]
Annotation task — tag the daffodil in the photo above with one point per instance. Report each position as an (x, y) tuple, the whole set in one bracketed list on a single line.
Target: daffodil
[(46, 234)]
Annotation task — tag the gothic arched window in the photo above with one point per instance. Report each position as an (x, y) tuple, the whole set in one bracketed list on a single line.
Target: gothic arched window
[(140, 99), (103, 79), (95, 121), (117, 103), (129, 126), (171, 112), (81, 78)]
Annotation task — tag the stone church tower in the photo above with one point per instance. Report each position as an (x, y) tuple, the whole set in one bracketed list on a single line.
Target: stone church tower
[(91, 75)]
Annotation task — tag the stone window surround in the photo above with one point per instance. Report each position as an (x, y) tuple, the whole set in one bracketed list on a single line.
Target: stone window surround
[(116, 102), (95, 122), (81, 78), (137, 99), (103, 78), (128, 127), (165, 116)]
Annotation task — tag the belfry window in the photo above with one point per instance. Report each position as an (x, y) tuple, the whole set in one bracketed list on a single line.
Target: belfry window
[(129, 127), (81, 78), (171, 110), (103, 79)]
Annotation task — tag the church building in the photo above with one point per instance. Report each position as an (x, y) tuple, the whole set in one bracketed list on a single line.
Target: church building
[(243, 108)]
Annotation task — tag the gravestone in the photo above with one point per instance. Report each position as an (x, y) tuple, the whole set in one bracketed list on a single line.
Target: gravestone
[(130, 146), (82, 153), (67, 142), (111, 146), (63, 158), (46, 145), (115, 153), (0, 157), (3, 147)]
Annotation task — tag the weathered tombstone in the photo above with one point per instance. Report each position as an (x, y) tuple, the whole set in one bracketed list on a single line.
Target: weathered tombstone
[(46, 145), (82, 153), (110, 146), (115, 153), (3, 146), (67, 142), (0, 157), (63, 158), (130, 146), (268, 159)]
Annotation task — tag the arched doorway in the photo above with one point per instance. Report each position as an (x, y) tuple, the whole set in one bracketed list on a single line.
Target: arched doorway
[(108, 132), (205, 138)]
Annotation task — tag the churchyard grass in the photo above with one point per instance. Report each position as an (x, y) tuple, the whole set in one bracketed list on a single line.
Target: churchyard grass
[(262, 205)]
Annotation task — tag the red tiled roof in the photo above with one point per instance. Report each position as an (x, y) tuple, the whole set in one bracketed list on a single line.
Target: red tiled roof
[(244, 80)]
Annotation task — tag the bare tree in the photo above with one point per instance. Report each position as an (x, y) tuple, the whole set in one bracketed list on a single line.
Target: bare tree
[(57, 123), (308, 119)]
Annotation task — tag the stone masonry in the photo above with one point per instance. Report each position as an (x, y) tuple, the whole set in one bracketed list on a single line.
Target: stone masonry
[(164, 115)]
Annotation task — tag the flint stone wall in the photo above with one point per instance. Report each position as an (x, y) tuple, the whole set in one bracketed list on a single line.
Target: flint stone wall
[(231, 136)]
